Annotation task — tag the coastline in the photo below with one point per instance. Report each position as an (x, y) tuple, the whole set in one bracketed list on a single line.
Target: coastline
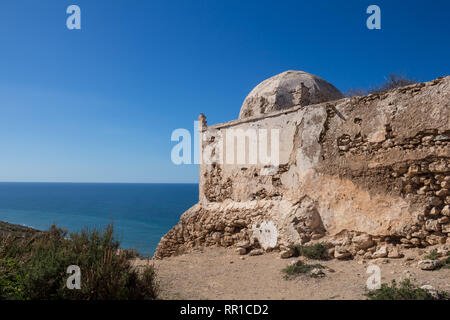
[(9, 228), (141, 213)]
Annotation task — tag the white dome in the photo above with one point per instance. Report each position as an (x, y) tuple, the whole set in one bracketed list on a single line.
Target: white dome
[(286, 90)]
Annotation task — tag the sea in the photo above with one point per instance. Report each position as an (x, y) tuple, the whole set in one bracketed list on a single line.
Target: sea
[(141, 213)]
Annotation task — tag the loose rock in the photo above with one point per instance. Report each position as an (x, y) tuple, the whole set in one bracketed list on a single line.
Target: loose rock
[(256, 252), (317, 273), (428, 264)]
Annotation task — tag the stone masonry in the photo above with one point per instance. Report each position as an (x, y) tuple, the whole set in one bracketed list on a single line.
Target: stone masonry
[(368, 176)]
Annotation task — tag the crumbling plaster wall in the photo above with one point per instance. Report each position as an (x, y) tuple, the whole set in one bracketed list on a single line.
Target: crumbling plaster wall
[(377, 165)]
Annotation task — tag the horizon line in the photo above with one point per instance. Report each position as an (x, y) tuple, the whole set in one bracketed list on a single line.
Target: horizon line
[(98, 182)]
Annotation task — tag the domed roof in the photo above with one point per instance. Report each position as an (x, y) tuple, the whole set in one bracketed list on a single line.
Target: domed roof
[(286, 90)]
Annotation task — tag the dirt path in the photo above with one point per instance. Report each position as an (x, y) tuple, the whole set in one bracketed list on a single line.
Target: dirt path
[(218, 273)]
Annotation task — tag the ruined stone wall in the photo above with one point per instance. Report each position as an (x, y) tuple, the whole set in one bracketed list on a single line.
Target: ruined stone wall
[(367, 175)]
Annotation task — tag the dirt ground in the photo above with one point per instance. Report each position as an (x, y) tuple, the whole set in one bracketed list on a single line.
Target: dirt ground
[(218, 273)]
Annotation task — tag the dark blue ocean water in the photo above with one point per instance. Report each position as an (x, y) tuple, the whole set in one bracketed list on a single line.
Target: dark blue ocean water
[(141, 213)]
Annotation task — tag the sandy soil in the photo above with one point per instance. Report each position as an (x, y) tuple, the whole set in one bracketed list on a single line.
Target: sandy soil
[(218, 273)]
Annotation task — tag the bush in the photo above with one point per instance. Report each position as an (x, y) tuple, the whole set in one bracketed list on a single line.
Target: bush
[(433, 255), (393, 81), (35, 267), (300, 268), (445, 264), (316, 251), (405, 291), (11, 284)]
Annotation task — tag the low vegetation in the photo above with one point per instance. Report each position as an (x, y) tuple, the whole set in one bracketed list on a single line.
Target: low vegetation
[(406, 290), (34, 266), (434, 255), (8, 228), (316, 251), (393, 81), (445, 264), (300, 268)]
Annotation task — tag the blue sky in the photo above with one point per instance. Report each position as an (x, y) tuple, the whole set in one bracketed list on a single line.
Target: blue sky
[(99, 104)]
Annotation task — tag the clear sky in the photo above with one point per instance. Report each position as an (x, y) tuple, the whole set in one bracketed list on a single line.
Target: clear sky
[(99, 104)]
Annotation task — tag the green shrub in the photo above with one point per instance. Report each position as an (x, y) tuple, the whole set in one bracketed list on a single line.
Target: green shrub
[(405, 291), (433, 255), (35, 267), (300, 268), (316, 251), (445, 264), (11, 284)]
